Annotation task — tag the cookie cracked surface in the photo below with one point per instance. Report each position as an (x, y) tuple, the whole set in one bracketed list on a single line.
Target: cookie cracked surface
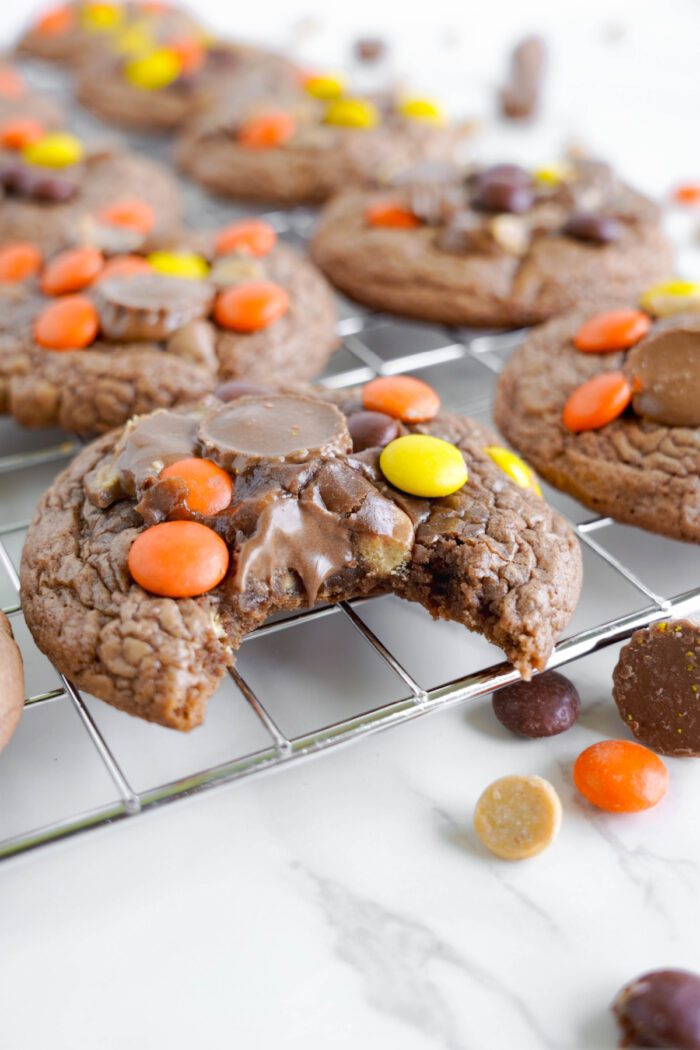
[(316, 524)]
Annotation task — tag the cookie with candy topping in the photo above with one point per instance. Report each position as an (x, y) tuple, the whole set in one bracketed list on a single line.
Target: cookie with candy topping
[(497, 246), (89, 338), (228, 512), (52, 183), (70, 33), (301, 146), (605, 404)]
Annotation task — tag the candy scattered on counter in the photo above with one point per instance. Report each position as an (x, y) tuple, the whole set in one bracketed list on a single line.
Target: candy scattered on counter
[(546, 705), (520, 97), (661, 1009), (517, 816), (656, 686), (620, 776)]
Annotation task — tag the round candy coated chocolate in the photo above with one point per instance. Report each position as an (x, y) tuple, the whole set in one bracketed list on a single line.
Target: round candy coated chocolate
[(597, 229), (53, 188), (516, 469), (512, 173), (662, 1009), (423, 465), (179, 264), (371, 430), (154, 71), (59, 149), (503, 195), (352, 113), (235, 388), (671, 297), (421, 109), (546, 705), (325, 86)]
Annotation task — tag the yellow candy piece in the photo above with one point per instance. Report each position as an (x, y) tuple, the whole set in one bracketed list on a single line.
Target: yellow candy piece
[(423, 465), (180, 264), (325, 87), (421, 109), (154, 71), (671, 297), (352, 113), (102, 18), (512, 465), (553, 174), (136, 40), (58, 149)]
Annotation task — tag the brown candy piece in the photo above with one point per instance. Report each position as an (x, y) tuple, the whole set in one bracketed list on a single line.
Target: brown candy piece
[(369, 49), (597, 229), (661, 1009), (546, 705), (195, 341), (281, 428), (235, 388), (665, 373), (656, 686), (371, 430), (150, 306), (504, 188), (11, 682), (520, 96)]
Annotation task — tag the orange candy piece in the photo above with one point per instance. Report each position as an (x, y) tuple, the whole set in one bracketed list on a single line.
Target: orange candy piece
[(687, 193), (68, 324), (19, 261), (267, 130), (21, 132), (614, 330), (178, 559), (55, 21), (251, 306), (11, 83), (124, 266), (392, 214), (133, 214), (402, 397), (209, 488), (71, 271), (620, 776), (192, 53), (252, 236), (597, 402)]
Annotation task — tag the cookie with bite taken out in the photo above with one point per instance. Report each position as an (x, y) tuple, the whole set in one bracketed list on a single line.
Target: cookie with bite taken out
[(165, 542)]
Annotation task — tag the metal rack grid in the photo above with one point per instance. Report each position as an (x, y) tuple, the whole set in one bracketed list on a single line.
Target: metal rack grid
[(76, 764), (372, 345)]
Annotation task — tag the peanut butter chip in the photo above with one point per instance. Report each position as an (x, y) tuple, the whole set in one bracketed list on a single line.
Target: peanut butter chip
[(518, 816)]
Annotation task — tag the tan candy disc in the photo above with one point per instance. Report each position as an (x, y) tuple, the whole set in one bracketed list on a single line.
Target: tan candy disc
[(518, 816)]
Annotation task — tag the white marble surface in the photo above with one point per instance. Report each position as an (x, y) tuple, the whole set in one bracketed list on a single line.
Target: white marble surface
[(345, 901)]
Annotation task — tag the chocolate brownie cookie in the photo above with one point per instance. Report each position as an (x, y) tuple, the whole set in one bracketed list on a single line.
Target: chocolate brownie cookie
[(228, 512), (656, 686), (19, 103), (169, 83), (86, 341), (302, 146), (500, 246), (52, 182), (11, 682), (70, 32), (606, 406)]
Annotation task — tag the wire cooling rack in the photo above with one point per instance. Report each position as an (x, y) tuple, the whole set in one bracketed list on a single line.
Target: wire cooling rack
[(306, 683)]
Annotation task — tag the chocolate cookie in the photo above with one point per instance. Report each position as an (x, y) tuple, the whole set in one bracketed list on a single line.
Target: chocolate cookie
[(90, 341), (499, 246), (11, 682), (166, 86), (71, 32), (656, 686), (53, 183), (633, 451), (289, 515), (295, 148)]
